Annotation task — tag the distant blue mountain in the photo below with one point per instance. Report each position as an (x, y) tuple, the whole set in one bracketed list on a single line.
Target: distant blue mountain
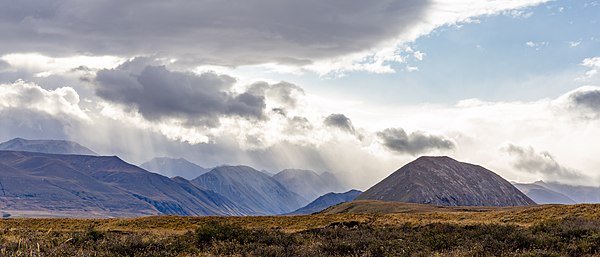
[(250, 188), (579, 194), (542, 194), (308, 183), (171, 167), (326, 201)]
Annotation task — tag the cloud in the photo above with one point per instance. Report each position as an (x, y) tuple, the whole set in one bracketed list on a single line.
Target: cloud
[(158, 93), (574, 43), (542, 163), (32, 124), (224, 32), (583, 101), (537, 45), (63, 101), (232, 33), (283, 93), (593, 64), (339, 121), (4, 65), (397, 140)]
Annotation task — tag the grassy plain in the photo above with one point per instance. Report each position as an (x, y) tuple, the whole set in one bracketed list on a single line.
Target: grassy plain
[(360, 228)]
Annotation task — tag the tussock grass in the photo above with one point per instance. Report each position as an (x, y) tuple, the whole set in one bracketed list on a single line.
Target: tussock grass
[(549, 230)]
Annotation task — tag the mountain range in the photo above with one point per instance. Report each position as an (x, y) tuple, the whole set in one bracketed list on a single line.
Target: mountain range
[(308, 183), (541, 194), (46, 146), (172, 167), (445, 181), (325, 201), (577, 194), (99, 186), (252, 189), (57, 178)]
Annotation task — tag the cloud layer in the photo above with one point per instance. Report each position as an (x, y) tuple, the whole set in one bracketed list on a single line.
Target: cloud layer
[(224, 32), (318, 35)]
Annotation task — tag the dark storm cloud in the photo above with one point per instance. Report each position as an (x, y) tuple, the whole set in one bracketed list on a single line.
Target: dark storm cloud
[(528, 160), (397, 140), (340, 121), (158, 93), (586, 99), (223, 32)]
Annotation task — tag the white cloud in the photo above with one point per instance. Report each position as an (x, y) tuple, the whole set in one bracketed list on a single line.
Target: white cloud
[(45, 66), (63, 101), (537, 45), (574, 43), (412, 68), (593, 65), (419, 55)]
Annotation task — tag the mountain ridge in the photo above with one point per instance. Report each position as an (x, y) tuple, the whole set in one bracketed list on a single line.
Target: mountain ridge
[(327, 200), (307, 183), (50, 146), (173, 167), (251, 188)]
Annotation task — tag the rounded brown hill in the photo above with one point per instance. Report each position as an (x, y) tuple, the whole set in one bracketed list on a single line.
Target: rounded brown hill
[(445, 181)]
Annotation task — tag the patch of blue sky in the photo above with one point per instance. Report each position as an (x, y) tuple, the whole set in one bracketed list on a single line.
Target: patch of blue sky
[(534, 54)]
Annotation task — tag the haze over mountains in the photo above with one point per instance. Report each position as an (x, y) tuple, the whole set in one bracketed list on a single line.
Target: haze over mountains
[(73, 184), (541, 194), (308, 183), (579, 194), (172, 167), (252, 189)]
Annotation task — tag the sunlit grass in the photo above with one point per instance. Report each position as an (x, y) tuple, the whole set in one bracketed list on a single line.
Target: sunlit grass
[(521, 231)]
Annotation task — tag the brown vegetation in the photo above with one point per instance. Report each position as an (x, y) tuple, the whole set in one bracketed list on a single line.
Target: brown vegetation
[(406, 230)]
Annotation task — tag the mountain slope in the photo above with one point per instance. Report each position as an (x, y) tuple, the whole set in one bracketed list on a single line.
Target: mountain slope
[(45, 146), (543, 195), (326, 201), (100, 184), (307, 183), (445, 181), (251, 189), (579, 194), (174, 167)]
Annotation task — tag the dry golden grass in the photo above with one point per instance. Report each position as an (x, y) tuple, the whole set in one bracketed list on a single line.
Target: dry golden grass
[(362, 228), (374, 212)]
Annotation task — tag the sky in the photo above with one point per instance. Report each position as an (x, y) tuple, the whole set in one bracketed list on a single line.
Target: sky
[(357, 88)]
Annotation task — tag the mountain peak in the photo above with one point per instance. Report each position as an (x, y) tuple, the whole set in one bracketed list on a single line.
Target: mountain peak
[(307, 183), (442, 180), (172, 167), (255, 190), (46, 146)]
